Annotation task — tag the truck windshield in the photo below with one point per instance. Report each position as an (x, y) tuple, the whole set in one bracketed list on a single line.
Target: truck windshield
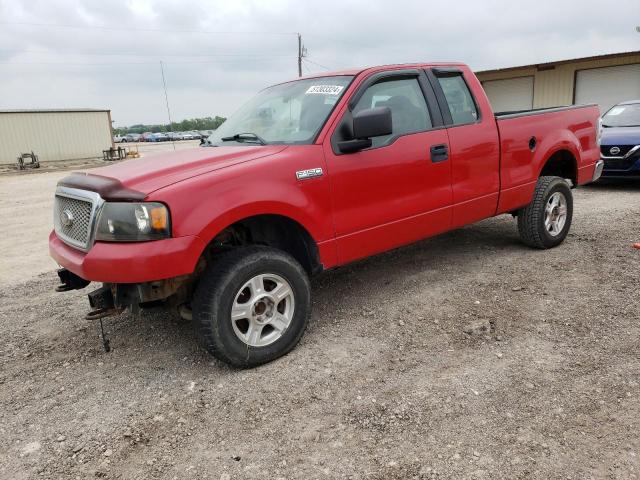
[(289, 113), (622, 116)]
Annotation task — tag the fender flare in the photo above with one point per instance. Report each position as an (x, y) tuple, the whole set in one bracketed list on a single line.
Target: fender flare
[(563, 141)]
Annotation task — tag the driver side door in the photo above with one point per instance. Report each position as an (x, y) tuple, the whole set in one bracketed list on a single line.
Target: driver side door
[(398, 190)]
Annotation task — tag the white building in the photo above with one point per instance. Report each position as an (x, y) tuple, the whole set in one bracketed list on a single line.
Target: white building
[(53, 135)]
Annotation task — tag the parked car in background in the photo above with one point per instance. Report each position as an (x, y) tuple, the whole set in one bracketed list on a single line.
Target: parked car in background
[(620, 143), (132, 137), (196, 135), (186, 136), (158, 137), (145, 136), (118, 139), (372, 159)]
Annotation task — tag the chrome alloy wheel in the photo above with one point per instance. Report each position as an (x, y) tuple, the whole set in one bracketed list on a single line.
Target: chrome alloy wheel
[(262, 310), (555, 214)]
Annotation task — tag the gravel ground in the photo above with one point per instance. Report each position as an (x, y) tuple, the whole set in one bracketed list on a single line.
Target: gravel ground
[(143, 148), (385, 384)]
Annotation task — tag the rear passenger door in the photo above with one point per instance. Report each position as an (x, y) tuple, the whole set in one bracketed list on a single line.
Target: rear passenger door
[(473, 144)]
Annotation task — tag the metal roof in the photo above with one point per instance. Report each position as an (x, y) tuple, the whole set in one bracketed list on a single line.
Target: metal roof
[(560, 62), (53, 110)]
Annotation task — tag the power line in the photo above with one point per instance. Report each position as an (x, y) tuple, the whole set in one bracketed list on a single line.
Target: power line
[(132, 29), (129, 63), (306, 67), (132, 54), (318, 64)]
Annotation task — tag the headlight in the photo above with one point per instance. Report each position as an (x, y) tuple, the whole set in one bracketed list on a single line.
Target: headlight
[(599, 131), (133, 222)]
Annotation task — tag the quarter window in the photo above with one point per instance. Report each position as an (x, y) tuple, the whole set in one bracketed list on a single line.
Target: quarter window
[(408, 107), (461, 105)]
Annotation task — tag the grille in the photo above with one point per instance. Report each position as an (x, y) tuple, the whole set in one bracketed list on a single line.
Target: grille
[(619, 164), (606, 150), (78, 233)]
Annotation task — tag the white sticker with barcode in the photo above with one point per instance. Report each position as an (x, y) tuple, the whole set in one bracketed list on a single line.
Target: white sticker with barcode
[(324, 89)]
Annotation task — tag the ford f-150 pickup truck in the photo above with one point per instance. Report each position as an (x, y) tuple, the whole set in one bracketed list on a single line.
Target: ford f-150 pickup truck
[(310, 175)]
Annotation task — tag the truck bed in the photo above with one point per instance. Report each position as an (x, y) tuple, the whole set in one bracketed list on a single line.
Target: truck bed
[(528, 138), (537, 111)]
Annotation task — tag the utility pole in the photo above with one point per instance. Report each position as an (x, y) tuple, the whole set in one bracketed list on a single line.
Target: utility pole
[(166, 99), (301, 53)]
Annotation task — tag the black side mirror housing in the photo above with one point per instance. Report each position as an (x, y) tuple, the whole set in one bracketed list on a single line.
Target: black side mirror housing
[(372, 122)]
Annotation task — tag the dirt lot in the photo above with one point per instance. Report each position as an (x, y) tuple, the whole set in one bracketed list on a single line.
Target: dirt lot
[(143, 148), (385, 384)]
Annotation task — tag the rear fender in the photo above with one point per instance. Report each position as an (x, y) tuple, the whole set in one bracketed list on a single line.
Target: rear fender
[(562, 140)]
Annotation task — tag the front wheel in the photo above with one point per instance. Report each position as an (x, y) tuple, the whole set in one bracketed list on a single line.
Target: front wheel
[(546, 221), (252, 305)]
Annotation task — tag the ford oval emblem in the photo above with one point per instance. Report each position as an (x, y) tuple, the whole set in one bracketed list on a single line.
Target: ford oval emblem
[(614, 150), (66, 218)]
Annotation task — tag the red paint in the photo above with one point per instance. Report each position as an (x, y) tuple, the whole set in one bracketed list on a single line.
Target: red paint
[(364, 203), (130, 262)]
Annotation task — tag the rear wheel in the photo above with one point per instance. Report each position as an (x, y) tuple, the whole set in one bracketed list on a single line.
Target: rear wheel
[(546, 221), (252, 305)]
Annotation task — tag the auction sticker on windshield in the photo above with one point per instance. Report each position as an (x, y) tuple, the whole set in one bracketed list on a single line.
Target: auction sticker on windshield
[(324, 89)]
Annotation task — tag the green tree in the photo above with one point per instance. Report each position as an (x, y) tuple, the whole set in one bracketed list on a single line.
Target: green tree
[(206, 123)]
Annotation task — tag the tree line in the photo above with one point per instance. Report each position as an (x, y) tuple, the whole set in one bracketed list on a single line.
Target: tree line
[(206, 123)]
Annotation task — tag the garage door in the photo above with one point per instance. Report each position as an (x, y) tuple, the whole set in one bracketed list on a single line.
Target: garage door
[(511, 94), (608, 86)]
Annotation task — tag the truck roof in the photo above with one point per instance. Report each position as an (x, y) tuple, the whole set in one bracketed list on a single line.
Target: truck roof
[(356, 71)]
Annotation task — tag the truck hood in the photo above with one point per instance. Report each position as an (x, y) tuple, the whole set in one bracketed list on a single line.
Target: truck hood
[(151, 173), (620, 136)]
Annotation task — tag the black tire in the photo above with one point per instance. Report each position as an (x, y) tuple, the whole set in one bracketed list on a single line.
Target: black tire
[(531, 219), (217, 291)]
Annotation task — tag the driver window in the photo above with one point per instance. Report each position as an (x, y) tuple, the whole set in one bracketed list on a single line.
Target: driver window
[(404, 97)]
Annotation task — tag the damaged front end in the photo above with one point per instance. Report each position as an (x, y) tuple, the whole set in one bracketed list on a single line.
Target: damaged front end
[(114, 298)]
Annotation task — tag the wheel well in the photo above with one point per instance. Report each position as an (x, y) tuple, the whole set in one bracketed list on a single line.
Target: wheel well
[(561, 164), (274, 231)]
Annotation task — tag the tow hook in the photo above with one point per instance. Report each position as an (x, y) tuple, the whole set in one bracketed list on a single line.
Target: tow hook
[(70, 281), (102, 304)]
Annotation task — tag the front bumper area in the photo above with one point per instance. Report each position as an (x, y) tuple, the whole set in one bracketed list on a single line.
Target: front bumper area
[(130, 262), (626, 168)]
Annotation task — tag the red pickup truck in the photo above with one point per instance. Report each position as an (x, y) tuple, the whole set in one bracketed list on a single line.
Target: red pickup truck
[(310, 175)]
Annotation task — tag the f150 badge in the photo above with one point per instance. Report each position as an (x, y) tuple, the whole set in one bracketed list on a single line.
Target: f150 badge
[(312, 172)]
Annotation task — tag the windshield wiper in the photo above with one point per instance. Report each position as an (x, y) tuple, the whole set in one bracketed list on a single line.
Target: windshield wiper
[(244, 137)]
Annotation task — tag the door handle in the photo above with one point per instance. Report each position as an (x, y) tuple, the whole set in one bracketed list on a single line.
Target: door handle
[(439, 153)]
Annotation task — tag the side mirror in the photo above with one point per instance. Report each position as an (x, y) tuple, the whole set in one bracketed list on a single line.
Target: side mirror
[(372, 122)]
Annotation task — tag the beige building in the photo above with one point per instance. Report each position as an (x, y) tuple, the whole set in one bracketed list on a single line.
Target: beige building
[(54, 134), (604, 79)]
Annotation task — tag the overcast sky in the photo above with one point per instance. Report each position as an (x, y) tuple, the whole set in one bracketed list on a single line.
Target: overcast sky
[(210, 74)]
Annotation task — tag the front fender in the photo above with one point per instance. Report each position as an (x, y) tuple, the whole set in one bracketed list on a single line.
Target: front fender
[(206, 204)]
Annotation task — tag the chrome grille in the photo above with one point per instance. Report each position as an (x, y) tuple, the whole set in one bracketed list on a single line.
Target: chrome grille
[(73, 216)]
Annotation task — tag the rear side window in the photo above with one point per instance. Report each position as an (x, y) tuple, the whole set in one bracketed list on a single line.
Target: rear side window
[(461, 105)]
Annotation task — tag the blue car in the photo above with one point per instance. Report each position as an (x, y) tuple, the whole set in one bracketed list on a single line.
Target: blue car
[(620, 142), (158, 137)]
